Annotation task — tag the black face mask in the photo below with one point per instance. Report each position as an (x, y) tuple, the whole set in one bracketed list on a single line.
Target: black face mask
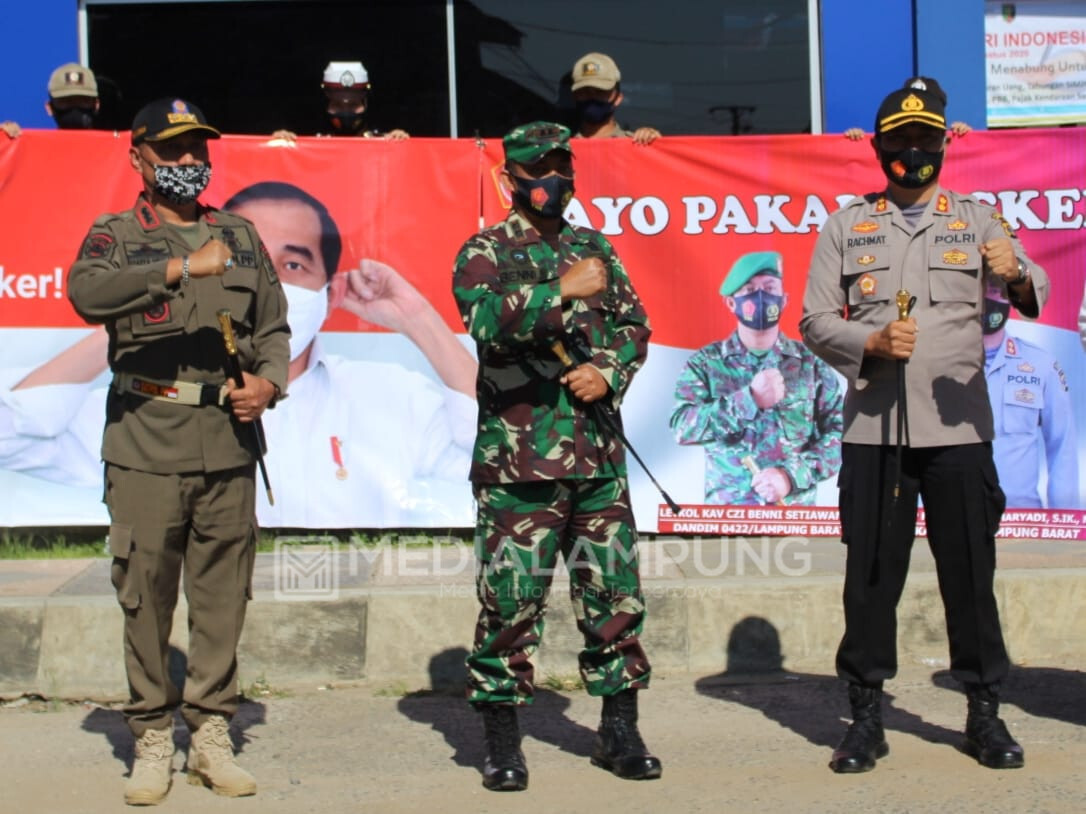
[(912, 168), (594, 111), (995, 315), (347, 124), (74, 118), (546, 197), (759, 310)]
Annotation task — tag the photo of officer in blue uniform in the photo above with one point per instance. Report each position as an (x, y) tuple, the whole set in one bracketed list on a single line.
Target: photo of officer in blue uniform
[(1034, 416)]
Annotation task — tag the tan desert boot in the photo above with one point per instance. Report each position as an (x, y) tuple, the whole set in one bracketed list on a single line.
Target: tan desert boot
[(211, 761), (150, 778)]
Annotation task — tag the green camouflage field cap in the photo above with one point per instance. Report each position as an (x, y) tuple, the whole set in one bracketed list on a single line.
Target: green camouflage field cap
[(528, 143), (750, 265)]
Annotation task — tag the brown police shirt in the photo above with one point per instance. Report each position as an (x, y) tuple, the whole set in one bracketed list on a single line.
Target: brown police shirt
[(866, 252)]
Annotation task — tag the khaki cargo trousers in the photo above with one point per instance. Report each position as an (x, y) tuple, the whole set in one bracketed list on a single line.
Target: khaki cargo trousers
[(202, 526)]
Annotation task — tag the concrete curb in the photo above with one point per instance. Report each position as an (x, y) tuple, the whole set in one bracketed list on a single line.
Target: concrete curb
[(414, 636)]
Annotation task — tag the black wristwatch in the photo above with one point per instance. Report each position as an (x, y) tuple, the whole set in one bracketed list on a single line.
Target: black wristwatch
[(1023, 273)]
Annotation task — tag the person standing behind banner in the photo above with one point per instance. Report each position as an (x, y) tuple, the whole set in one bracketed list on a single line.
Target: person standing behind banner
[(73, 100), (178, 449), (597, 95), (766, 409), (346, 87), (546, 477), (1033, 414), (958, 129), (921, 370)]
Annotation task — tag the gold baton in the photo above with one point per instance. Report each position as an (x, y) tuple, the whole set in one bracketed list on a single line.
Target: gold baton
[(904, 304)]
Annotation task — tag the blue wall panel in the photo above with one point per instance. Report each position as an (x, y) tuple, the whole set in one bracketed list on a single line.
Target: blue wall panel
[(950, 47), (35, 37), (867, 51)]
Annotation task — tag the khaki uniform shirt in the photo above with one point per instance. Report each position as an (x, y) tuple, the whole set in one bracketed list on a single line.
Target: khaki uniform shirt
[(172, 333), (865, 254)]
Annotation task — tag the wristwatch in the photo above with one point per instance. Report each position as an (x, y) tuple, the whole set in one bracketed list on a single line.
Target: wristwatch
[(1023, 273)]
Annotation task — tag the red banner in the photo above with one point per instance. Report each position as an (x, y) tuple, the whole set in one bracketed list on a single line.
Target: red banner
[(679, 213)]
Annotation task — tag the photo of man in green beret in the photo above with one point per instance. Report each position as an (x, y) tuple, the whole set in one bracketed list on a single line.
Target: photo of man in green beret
[(766, 409)]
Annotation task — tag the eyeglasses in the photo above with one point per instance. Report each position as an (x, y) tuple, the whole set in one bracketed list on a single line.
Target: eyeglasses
[(930, 142)]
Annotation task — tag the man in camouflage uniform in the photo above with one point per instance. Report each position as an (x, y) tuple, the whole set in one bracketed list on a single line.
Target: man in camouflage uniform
[(179, 465), (766, 409), (547, 478)]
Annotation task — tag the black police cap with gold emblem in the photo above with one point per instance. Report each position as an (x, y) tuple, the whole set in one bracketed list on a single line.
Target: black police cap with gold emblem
[(168, 117), (912, 104)]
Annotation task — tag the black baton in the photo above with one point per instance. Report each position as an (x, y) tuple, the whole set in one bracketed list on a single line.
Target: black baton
[(608, 421), (905, 304), (233, 370)]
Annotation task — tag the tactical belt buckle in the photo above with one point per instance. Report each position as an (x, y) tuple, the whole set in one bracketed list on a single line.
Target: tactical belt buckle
[(191, 394), (210, 394)]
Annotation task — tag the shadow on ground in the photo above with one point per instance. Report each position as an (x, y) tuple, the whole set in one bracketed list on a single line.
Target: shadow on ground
[(1044, 692), (811, 705), (111, 724), (444, 709)]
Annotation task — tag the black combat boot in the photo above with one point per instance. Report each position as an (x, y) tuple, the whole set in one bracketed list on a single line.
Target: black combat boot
[(986, 736), (619, 747), (504, 768), (864, 742)]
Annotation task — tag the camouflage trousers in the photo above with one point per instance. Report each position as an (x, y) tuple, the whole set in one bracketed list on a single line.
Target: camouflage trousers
[(521, 529)]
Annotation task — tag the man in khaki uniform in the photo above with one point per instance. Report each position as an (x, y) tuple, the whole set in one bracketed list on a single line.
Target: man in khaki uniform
[(597, 94), (917, 419), (177, 444)]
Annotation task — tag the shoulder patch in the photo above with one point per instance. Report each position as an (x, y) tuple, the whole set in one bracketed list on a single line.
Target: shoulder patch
[(98, 244), (146, 215)]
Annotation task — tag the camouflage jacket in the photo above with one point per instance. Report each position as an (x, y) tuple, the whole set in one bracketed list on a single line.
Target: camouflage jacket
[(506, 284), (801, 434)]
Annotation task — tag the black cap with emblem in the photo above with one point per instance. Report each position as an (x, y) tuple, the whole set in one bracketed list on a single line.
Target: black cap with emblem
[(168, 117)]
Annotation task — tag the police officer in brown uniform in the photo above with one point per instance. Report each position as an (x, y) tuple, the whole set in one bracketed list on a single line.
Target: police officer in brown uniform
[(917, 419), (179, 463)]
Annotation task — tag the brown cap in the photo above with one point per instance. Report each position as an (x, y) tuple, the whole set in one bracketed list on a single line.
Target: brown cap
[(595, 71), (168, 117), (72, 79)]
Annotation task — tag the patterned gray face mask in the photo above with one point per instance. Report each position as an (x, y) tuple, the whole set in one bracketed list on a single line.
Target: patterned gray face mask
[(182, 184)]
